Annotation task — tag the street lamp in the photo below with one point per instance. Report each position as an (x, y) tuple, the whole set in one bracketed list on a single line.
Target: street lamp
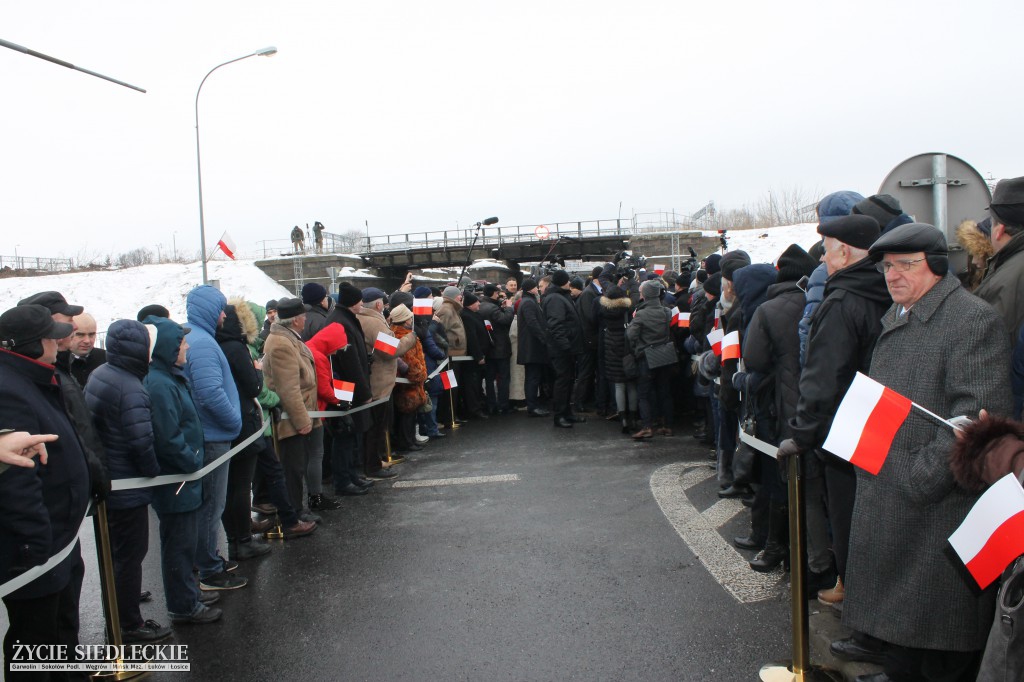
[(265, 52)]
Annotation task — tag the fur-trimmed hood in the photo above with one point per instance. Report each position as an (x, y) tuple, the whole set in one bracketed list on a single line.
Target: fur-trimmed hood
[(974, 240), (616, 303), (247, 318), (989, 449)]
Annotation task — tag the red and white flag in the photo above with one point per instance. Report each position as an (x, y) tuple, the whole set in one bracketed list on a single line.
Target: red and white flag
[(344, 390), (731, 346), (487, 323), (992, 535), (683, 320), (715, 337), (422, 306), (227, 245), (386, 344), (718, 318), (675, 317), (659, 269), (448, 380), (866, 423)]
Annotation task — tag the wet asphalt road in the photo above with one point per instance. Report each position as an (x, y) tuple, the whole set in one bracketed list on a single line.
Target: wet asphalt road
[(571, 572)]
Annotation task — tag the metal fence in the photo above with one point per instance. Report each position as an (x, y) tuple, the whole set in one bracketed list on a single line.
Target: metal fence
[(34, 263)]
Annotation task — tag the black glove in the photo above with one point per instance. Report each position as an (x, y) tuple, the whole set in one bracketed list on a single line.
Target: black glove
[(98, 479), (788, 448), (739, 381)]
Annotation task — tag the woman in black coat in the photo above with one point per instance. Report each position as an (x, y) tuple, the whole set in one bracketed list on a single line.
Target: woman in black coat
[(614, 318), (532, 346)]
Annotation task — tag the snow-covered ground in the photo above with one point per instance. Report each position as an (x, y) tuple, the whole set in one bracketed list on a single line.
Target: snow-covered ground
[(113, 295)]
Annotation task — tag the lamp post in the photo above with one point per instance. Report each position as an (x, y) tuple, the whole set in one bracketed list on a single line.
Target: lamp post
[(265, 52)]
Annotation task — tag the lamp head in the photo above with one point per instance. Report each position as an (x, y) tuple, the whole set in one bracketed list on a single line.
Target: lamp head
[(266, 52)]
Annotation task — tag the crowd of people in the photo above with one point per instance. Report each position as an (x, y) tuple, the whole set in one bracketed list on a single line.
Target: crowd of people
[(736, 351)]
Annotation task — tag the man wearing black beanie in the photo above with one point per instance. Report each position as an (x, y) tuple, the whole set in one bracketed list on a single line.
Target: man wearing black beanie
[(565, 340)]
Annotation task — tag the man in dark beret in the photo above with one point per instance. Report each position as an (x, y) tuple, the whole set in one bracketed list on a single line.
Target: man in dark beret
[(1002, 286)]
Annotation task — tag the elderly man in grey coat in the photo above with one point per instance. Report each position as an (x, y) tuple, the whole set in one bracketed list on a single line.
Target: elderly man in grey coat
[(947, 351)]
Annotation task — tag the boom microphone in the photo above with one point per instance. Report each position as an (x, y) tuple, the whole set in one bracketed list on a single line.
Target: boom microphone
[(490, 221)]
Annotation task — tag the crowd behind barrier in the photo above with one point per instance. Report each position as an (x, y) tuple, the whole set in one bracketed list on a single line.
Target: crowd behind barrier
[(246, 409)]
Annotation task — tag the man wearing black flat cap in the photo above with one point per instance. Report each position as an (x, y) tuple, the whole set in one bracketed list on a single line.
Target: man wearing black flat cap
[(842, 335), (43, 506), (944, 349), (1003, 286), (565, 341)]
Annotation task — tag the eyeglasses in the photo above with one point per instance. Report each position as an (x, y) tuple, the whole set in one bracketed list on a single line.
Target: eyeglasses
[(900, 265)]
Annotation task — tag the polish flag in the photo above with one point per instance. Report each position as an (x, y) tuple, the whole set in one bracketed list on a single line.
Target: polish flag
[(718, 317), (386, 344), (344, 390), (227, 245), (448, 380), (992, 535), (487, 323), (866, 423), (659, 270), (715, 337), (683, 320), (731, 346), (422, 306), (675, 317)]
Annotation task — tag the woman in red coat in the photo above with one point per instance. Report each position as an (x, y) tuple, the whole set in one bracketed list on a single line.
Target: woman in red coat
[(323, 345)]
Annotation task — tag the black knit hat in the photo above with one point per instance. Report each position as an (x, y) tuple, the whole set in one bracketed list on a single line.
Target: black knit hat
[(713, 263), (882, 207), (1008, 201), (154, 309), (490, 289), (714, 285), (313, 293), (349, 295), (469, 299), (529, 284), (795, 263), (733, 261), (858, 231), (613, 292), (560, 278)]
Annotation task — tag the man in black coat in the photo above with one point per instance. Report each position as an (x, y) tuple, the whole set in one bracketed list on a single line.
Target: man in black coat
[(351, 364), (43, 506), (478, 345), (532, 346), (565, 342), (587, 361), (842, 338), (498, 313), (318, 305)]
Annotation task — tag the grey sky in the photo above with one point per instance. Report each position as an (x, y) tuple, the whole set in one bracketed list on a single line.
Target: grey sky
[(418, 116)]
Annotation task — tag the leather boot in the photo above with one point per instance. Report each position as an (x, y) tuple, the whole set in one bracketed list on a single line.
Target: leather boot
[(246, 548), (776, 551), (643, 433)]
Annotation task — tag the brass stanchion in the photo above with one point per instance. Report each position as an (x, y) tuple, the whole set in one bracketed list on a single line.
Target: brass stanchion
[(109, 596), (800, 668), (451, 403)]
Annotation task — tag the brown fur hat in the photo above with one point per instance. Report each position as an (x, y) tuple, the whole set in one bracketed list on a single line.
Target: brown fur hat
[(987, 450), (250, 327), (974, 240)]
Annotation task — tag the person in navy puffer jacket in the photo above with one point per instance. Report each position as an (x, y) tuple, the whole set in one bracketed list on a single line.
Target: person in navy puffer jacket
[(122, 414), (216, 399)]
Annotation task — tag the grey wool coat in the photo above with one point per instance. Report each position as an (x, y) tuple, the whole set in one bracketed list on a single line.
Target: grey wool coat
[(950, 353)]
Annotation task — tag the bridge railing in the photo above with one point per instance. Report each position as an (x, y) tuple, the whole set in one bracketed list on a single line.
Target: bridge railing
[(496, 236)]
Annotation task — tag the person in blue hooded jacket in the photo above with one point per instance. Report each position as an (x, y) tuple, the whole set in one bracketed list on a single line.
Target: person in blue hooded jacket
[(216, 400), (122, 414), (178, 446)]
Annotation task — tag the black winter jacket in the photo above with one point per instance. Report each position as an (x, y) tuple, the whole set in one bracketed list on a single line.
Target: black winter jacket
[(478, 341), (586, 304), (533, 335), (614, 319), (842, 337), (501, 322), (122, 413), (248, 379), (565, 331), (81, 368), (351, 363), (316, 319)]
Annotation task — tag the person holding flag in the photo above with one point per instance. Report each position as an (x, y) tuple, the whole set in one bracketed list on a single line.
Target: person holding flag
[(905, 587)]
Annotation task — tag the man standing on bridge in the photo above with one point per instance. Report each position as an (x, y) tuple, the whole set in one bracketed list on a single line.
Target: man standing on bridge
[(298, 240)]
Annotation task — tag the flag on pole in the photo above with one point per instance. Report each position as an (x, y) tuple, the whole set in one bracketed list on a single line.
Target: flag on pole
[(715, 337), (731, 346), (718, 317), (992, 535), (227, 245), (659, 269), (675, 317), (866, 423), (344, 390), (448, 380), (487, 323), (683, 320), (422, 306), (386, 344)]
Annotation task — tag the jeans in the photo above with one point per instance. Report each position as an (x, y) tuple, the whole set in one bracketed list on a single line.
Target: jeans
[(346, 458), (428, 420), (129, 541), (626, 398), (178, 533), (497, 373), (215, 493), (655, 392), (531, 385)]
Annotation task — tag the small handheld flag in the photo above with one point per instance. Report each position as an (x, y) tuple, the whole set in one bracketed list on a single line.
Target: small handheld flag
[(992, 535), (487, 323), (683, 320), (344, 390), (715, 337), (731, 346), (386, 344), (866, 423), (448, 380), (659, 269), (675, 317), (422, 306)]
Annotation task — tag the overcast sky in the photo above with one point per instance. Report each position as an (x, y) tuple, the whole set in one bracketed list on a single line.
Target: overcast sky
[(422, 115)]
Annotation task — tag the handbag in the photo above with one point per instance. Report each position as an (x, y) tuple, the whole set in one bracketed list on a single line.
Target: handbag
[(1004, 653), (661, 355), (629, 369)]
